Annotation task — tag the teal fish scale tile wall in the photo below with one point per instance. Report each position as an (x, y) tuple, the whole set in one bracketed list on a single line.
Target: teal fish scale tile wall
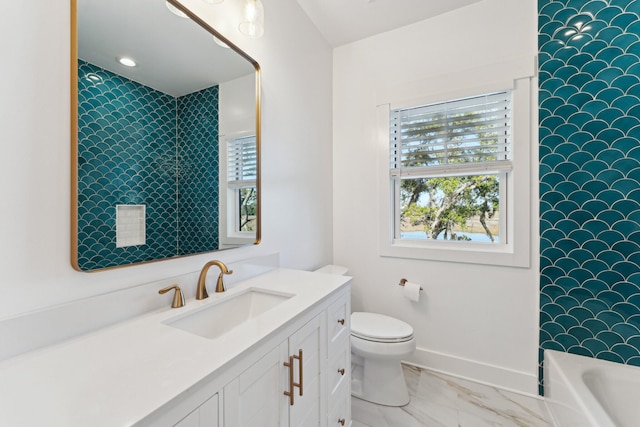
[(127, 144), (198, 191), (589, 124)]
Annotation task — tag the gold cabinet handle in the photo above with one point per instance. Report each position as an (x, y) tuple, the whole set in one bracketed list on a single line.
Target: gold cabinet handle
[(341, 421), (300, 366), (341, 371), (291, 383), (341, 321), (178, 298)]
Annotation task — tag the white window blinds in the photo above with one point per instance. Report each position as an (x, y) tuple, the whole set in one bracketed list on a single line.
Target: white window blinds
[(470, 134), (242, 159)]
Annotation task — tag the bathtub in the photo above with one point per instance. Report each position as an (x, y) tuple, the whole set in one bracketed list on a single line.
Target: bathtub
[(585, 392)]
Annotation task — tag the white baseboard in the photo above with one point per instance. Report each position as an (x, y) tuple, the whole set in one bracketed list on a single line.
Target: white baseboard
[(495, 376)]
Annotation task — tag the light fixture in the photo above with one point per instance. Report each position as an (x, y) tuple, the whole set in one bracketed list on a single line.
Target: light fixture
[(213, 1), (220, 42), (252, 24), (126, 61), (175, 10), (94, 78)]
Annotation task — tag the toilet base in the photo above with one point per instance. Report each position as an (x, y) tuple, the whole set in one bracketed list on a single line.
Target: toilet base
[(380, 381)]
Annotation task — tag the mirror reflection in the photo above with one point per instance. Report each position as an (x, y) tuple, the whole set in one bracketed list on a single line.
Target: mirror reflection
[(166, 152)]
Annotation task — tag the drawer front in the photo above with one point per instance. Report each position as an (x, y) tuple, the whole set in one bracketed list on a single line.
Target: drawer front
[(340, 414), (338, 324), (339, 369)]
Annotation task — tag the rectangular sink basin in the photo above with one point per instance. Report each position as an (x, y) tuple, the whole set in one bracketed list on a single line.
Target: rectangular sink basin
[(219, 318)]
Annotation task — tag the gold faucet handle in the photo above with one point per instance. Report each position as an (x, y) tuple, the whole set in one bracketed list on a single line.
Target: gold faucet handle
[(220, 282), (178, 297)]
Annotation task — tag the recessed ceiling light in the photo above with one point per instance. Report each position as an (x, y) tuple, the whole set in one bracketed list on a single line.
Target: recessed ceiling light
[(127, 62)]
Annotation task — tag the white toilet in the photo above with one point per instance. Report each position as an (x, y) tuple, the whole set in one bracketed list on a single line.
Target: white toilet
[(378, 344)]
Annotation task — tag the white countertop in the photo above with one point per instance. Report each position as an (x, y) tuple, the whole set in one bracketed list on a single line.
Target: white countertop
[(118, 375)]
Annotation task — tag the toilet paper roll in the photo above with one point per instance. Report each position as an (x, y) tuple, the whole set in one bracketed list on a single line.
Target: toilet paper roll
[(412, 291)]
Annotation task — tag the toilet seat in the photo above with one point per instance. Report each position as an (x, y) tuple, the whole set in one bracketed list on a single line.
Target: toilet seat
[(380, 328)]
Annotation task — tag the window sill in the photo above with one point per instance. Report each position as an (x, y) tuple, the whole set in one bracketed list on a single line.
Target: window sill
[(458, 252)]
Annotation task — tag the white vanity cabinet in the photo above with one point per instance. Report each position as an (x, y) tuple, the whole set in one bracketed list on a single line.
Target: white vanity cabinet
[(316, 352), (321, 357)]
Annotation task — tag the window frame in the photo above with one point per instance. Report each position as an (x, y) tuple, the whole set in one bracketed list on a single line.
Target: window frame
[(516, 250), (399, 171), (230, 197)]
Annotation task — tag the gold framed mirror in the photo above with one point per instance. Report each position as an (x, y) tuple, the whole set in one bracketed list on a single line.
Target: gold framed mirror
[(165, 150)]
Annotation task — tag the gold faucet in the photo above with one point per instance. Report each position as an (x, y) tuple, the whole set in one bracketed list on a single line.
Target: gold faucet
[(201, 291)]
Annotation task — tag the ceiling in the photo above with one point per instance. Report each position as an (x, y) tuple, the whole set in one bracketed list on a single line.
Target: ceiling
[(345, 21), (106, 30), (156, 38)]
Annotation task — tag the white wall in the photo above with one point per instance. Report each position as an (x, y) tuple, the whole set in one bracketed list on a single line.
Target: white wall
[(237, 118), (473, 320), (34, 162)]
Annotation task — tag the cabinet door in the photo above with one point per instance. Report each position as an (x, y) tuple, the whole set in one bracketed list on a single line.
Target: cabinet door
[(306, 345), (206, 415), (256, 397)]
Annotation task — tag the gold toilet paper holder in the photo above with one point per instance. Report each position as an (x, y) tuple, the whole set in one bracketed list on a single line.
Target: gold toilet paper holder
[(403, 281)]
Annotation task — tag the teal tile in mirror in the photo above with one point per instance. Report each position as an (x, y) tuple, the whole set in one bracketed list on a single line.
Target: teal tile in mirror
[(155, 152)]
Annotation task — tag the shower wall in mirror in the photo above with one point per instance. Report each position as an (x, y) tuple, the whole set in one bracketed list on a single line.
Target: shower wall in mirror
[(151, 156), (139, 146)]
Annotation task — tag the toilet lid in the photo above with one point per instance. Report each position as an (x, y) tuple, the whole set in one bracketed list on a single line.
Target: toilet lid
[(378, 327)]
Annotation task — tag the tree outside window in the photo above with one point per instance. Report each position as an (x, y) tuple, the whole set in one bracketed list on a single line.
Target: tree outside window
[(449, 162)]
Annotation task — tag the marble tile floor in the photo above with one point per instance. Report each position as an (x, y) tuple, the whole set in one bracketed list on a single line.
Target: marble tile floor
[(438, 400)]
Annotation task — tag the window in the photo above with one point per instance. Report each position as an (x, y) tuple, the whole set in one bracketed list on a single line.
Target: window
[(450, 150), (241, 184), (450, 165)]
